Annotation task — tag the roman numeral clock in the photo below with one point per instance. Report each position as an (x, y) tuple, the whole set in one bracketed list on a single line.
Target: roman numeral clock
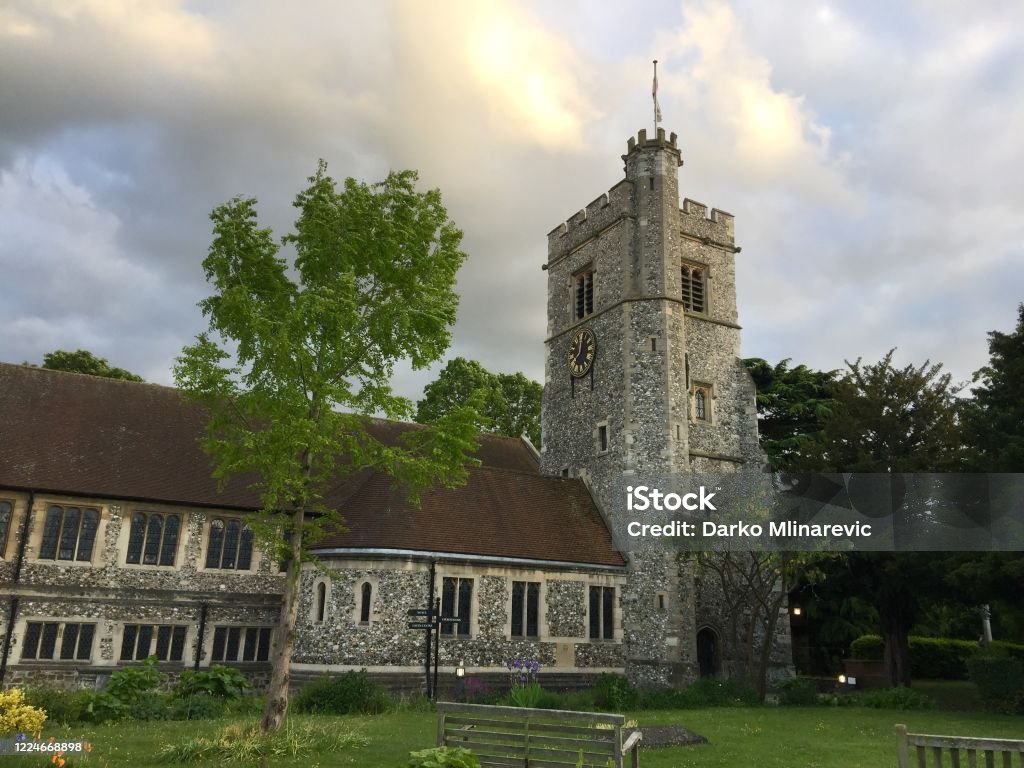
[(582, 350)]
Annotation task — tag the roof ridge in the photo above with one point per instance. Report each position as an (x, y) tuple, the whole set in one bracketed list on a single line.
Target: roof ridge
[(56, 372)]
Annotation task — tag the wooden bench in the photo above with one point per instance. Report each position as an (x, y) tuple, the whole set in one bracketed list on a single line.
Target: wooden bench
[(535, 738), (977, 750)]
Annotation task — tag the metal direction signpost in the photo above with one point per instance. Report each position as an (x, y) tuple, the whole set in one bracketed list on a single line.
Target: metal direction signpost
[(428, 619)]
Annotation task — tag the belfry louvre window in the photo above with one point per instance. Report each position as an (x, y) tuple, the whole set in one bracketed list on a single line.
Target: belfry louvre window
[(525, 608), (69, 533), (230, 545), (456, 601), (241, 644), (694, 288), (140, 641), (153, 539), (584, 294), (602, 613), (54, 640)]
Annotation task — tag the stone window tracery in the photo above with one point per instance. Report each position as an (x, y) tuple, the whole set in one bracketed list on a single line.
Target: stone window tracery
[(69, 533), (165, 641), (230, 545), (602, 613), (241, 644), (702, 397), (153, 539), (456, 601), (58, 641), (525, 609)]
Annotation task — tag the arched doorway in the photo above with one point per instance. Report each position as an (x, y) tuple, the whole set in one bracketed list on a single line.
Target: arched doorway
[(707, 652)]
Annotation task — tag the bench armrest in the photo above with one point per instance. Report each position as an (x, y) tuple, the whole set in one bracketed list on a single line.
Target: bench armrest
[(632, 742)]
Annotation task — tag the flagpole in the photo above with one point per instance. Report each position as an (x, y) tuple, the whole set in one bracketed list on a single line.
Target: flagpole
[(654, 94)]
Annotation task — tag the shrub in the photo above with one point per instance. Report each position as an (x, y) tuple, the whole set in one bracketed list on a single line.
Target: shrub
[(934, 658), (64, 707), (100, 707), (897, 698), (350, 693), (797, 691), (220, 681), (476, 691), (443, 757), (615, 693), (18, 717), (525, 688), (1000, 681), (131, 684)]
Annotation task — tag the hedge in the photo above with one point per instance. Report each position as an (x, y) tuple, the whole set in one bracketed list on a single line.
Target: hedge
[(937, 658)]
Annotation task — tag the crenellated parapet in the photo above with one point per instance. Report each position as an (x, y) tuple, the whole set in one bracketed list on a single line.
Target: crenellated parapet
[(717, 228), (617, 203), (658, 142)]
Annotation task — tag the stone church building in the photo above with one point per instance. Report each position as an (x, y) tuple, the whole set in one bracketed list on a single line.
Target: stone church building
[(115, 543)]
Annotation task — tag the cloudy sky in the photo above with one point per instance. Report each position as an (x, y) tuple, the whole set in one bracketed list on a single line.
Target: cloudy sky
[(871, 152)]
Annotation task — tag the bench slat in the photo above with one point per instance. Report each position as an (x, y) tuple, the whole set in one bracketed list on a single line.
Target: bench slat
[(487, 710), (478, 734), (597, 734)]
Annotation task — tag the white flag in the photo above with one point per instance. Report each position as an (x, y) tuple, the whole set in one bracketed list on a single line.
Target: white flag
[(654, 95)]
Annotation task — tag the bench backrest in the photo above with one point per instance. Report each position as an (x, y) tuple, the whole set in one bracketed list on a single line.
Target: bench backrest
[(546, 738), (929, 751)]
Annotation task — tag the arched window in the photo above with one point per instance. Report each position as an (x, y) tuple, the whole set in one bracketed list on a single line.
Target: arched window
[(153, 539), (366, 598), (69, 533), (230, 545), (321, 601), (700, 406)]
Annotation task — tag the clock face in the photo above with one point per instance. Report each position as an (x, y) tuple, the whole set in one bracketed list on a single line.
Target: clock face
[(581, 352)]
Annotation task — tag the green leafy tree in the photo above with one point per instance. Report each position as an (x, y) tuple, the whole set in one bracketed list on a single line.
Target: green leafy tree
[(509, 403), (995, 418), (298, 353), (83, 361), (792, 407), (890, 419)]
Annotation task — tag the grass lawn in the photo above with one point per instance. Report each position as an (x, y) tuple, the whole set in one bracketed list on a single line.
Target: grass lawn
[(787, 737)]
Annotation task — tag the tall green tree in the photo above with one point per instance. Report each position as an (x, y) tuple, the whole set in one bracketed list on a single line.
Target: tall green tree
[(509, 403), (792, 407), (83, 361), (299, 352), (892, 419), (995, 418)]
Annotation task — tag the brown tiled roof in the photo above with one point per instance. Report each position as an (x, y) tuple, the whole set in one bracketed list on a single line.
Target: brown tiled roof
[(87, 436)]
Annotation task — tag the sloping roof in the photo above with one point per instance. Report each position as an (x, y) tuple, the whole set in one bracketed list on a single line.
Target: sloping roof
[(87, 436)]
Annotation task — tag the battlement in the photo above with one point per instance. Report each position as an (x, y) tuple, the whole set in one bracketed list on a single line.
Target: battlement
[(586, 223), (695, 221), (642, 142)]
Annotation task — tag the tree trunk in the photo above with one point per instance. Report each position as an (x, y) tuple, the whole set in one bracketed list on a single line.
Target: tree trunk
[(277, 692), (771, 621), (897, 654)]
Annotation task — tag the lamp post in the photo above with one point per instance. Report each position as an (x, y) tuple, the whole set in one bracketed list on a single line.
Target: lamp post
[(460, 679)]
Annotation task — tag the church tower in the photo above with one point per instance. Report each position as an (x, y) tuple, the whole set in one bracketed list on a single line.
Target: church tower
[(642, 373)]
